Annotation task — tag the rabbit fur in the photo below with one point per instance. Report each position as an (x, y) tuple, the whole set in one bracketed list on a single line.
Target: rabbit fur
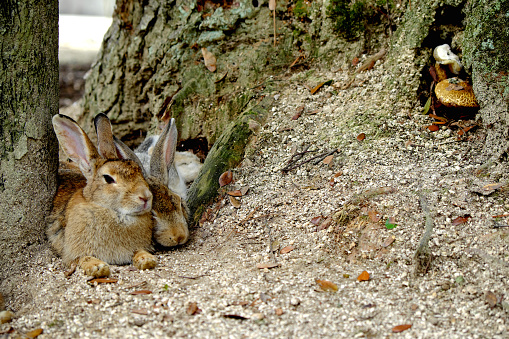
[(184, 170), (169, 208), (102, 208)]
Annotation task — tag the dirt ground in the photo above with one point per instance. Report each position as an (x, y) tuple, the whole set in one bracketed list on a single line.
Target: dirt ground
[(289, 262)]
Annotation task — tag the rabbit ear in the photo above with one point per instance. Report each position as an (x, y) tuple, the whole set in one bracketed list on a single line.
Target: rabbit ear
[(164, 153), (105, 144), (124, 152), (75, 143)]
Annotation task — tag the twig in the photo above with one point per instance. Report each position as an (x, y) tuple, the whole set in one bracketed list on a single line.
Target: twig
[(198, 276), (500, 226), (324, 156), (270, 243), (423, 255), (288, 169), (137, 285)]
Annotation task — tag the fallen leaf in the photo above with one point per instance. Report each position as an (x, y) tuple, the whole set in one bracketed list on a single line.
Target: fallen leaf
[(235, 193), (140, 311), (192, 308), (388, 241), (235, 316), (461, 220), (328, 159), (355, 61), (141, 292), (279, 311), (374, 216), (298, 113), (34, 333), (209, 59), (94, 301), (488, 189), (244, 190), (465, 130), (361, 137), (390, 223), (491, 298), (235, 202), (222, 78), (267, 265), (314, 90), (326, 285), (103, 280), (316, 220), (401, 328), (325, 224), (225, 178), (364, 276), (433, 128), (427, 106), (286, 249), (274, 246), (431, 115)]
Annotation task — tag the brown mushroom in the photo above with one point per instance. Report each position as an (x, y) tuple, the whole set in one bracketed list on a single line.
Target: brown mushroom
[(455, 92)]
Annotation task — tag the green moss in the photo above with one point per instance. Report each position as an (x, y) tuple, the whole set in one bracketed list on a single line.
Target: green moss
[(300, 10), (348, 17)]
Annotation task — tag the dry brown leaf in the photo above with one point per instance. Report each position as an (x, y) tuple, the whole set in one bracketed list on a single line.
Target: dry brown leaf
[(236, 193), (328, 159), (235, 202), (461, 220), (34, 333), (244, 190), (192, 308), (316, 220), (433, 128), (431, 115), (286, 249), (267, 265), (225, 178), (326, 285), (465, 130), (364, 276), (491, 298), (361, 137), (314, 90), (141, 292), (103, 280), (374, 216), (401, 328), (298, 113), (279, 311), (140, 311), (325, 224), (209, 59), (355, 61), (388, 241)]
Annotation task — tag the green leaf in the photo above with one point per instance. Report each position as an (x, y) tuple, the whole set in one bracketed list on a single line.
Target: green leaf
[(389, 224), (427, 106), (460, 280)]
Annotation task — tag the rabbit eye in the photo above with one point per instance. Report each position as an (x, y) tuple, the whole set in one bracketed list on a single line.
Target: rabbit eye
[(108, 179)]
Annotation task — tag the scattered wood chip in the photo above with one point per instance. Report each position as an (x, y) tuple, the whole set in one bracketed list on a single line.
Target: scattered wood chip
[(34, 333), (286, 249), (140, 311), (192, 308), (225, 178), (364, 276), (491, 298), (328, 159), (209, 59), (388, 241), (279, 311), (103, 281), (267, 265), (326, 285), (141, 292), (235, 202), (236, 193), (234, 316), (461, 220), (361, 137), (401, 328)]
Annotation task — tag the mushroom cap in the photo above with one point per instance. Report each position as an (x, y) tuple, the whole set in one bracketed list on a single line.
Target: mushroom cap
[(444, 56), (455, 92)]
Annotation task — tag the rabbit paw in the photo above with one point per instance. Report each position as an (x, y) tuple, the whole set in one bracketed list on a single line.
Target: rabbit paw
[(94, 267), (144, 260)]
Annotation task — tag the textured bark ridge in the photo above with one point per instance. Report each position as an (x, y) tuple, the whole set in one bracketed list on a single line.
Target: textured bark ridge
[(28, 146)]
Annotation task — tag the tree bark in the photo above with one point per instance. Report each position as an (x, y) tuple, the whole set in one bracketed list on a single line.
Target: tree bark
[(28, 146)]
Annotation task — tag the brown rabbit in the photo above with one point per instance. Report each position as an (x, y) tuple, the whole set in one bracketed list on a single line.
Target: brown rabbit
[(169, 209), (102, 215)]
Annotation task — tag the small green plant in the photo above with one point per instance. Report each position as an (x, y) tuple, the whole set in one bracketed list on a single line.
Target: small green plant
[(348, 17), (300, 10)]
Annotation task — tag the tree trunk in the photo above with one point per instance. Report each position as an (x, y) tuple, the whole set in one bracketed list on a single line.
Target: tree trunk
[(28, 146)]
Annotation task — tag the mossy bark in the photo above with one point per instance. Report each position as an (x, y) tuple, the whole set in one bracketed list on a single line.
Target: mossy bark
[(28, 145), (227, 153)]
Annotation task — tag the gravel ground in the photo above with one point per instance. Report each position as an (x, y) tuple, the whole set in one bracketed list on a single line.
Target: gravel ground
[(212, 288)]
